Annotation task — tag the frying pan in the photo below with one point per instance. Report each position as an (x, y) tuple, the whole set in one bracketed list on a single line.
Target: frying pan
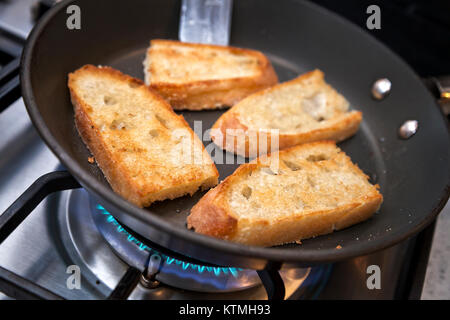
[(297, 36)]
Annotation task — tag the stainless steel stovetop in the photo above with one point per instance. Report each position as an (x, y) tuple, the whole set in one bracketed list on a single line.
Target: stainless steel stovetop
[(60, 233)]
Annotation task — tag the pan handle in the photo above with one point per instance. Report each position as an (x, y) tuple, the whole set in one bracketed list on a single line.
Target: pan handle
[(440, 87), (9, 84)]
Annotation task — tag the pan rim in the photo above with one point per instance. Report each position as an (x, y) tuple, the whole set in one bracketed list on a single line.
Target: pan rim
[(310, 256)]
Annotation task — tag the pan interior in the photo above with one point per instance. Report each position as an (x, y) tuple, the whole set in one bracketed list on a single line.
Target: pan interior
[(363, 148)]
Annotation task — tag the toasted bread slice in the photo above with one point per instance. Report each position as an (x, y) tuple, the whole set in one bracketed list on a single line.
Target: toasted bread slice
[(302, 110), (145, 150), (301, 192), (199, 76)]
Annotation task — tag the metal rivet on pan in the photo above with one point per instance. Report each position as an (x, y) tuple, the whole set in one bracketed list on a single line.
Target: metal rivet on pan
[(408, 129), (381, 88)]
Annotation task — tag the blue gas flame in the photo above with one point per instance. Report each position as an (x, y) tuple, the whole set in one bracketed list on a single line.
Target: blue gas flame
[(217, 271)]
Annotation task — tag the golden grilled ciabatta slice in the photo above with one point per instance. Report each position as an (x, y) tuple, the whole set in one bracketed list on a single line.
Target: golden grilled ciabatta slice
[(200, 76), (298, 193), (146, 151), (301, 110)]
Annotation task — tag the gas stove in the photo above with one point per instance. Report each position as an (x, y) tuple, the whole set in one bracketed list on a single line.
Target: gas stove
[(69, 234)]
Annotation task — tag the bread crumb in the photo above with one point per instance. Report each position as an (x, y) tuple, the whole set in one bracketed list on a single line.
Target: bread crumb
[(338, 247), (298, 242), (91, 159)]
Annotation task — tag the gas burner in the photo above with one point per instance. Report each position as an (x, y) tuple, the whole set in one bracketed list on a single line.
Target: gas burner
[(171, 271), (87, 228)]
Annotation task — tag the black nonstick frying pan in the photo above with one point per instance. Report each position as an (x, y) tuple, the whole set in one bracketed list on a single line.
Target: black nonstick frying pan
[(297, 36)]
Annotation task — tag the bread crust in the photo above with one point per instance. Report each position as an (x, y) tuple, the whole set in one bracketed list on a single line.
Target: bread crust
[(345, 127), (214, 208), (211, 219), (116, 173), (211, 93)]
